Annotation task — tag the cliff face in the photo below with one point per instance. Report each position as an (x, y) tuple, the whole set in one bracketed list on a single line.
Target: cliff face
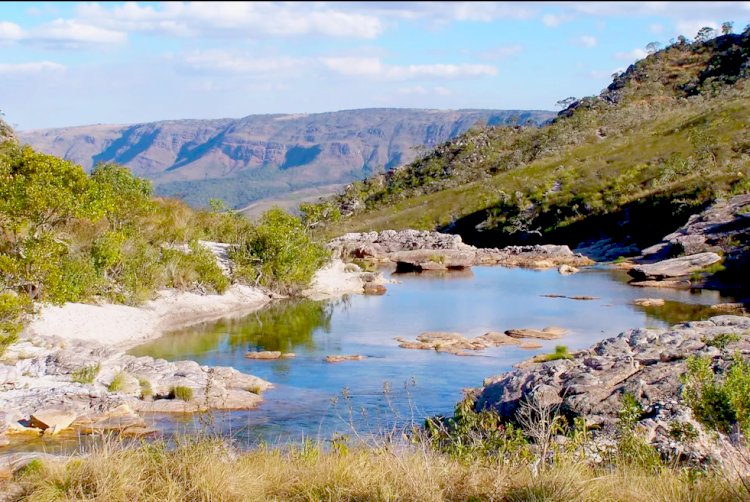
[(270, 152)]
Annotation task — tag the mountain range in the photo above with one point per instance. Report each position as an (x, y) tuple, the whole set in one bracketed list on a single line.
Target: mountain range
[(244, 160)]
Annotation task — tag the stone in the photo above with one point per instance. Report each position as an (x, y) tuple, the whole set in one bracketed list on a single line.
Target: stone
[(649, 302), (583, 297), (374, 289), (53, 419), (441, 338), (264, 354), (343, 357), (673, 284), (567, 269), (549, 333), (497, 339), (530, 345), (675, 267), (738, 308)]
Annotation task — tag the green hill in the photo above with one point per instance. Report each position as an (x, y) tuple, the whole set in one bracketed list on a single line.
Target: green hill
[(669, 135)]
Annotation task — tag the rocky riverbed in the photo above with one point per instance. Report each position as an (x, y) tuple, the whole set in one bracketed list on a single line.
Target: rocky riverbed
[(644, 363)]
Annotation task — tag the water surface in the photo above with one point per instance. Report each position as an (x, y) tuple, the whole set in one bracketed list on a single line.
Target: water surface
[(315, 399)]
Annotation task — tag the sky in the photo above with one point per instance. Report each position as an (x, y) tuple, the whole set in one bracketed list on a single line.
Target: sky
[(73, 63)]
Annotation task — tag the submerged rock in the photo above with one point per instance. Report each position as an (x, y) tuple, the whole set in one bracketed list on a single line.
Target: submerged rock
[(343, 357), (548, 333), (649, 302), (264, 354)]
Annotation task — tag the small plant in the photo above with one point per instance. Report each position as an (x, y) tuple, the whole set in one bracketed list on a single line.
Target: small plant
[(561, 352), (86, 375), (255, 389), (147, 391), (683, 431), (118, 382), (721, 341), (181, 392), (437, 258)]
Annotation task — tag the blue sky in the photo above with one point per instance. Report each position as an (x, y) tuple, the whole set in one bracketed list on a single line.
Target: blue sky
[(77, 63)]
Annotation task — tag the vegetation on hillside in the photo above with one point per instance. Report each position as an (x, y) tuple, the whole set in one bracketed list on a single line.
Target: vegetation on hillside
[(69, 236), (666, 137)]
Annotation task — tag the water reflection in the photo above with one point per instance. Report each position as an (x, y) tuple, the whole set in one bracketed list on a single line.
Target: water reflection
[(285, 326)]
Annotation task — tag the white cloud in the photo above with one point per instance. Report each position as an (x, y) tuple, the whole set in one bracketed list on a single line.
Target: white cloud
[(373, 67), (72, 34), (220, 61), (632, 56), (690, 28), (248, 19), (587, 41), (27, 68), (656, 28), (553, 20), (501, 52), (423, 91), (10, 31)]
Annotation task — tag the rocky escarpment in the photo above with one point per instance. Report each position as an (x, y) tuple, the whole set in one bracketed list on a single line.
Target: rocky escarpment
[(415, 250), (720, 233), (106, 389), (644, 363)]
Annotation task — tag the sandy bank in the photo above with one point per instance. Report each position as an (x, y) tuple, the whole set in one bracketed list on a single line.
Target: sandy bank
[(123, 326)]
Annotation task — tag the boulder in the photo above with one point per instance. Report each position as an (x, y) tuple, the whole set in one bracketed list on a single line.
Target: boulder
[(672, 284), (53, 419), (675, 267), (567, 269), (374, 289)]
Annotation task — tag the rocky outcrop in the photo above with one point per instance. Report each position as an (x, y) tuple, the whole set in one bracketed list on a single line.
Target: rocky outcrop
[(416, 250), (722, 229), (48, 386), (675, 267), (338, 358), (646, 363), (458, 344)]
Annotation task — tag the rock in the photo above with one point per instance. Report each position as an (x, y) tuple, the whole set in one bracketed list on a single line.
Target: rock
[(583, 297), (419, 260), (288, 355), (567, 269), (264, 354), (497, 339), (441, 338), (649, 302), (644, 363), (374, 289), (549, 333), (407, 344), (342, 357), (673, 284), (675, 267), (737, 308), (530, 345), (53, 419), (553, 296)]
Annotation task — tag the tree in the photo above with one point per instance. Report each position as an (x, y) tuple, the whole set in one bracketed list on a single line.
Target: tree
[(564, 103), (705, 34), (652, 47), (726, 27)]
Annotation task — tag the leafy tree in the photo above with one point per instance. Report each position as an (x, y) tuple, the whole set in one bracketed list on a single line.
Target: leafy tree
[(653, 47), (564, 103), (705, 34), (726, 27)]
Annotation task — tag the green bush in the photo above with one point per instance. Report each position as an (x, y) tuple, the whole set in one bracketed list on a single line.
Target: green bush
[(146, 390), (561, 352), (721, 341), (181, 392), (279, 253), (718, 402), (86, 375), (12, 309)]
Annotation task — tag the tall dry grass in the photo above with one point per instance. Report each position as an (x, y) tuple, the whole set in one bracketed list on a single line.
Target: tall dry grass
[(210, 470)]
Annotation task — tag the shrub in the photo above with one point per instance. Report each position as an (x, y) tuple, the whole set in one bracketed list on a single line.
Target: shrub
[(721, 341), (86, 375), (561, 352), (718, 403), (146, 389), (12, 309), (279, 253), (117, 383), (181, 392)]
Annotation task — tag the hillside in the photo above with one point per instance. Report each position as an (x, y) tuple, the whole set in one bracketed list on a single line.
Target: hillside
[(667, 137), (260, 156)]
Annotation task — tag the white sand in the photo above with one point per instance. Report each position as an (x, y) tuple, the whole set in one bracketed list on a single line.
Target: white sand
[(123, 326)]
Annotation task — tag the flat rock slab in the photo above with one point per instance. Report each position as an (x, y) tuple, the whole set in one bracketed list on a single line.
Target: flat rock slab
[(548, 333), (675, 267), (54, 419), (669, 284), (343, 357), (266, 354), (649, 302)]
